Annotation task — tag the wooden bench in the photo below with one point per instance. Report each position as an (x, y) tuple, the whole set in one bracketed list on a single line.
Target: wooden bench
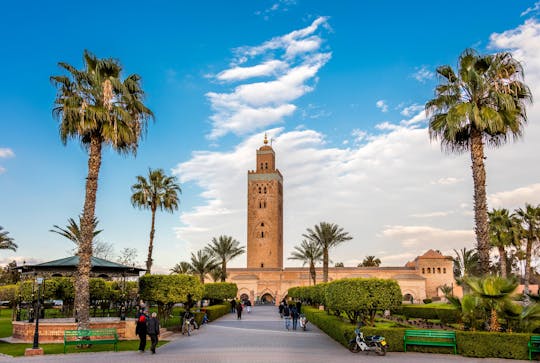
[(91, 336), (440, 338), (534, 345)]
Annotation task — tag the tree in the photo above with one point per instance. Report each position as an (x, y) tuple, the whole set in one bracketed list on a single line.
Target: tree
[(502, 234), (217, 274), (326, 235), (181, 268), (219, 291), (309, 252), (483, 103), (6, 242), (495, 291), (96, 107), (127, 256), (202, 264), (370, 261), (465, 263), (10, 274), (224, 249), (73, 233), (159, 191), (339, 264), (530, 221)]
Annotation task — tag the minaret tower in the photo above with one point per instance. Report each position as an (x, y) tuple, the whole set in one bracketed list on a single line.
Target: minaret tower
[(265, 212)]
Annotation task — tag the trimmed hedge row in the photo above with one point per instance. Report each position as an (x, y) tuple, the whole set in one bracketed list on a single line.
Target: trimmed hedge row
[(469, 344), (217, 311), (213, 312), (446, 316)]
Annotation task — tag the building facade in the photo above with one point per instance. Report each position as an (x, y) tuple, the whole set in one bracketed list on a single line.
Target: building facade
[(265, 279)]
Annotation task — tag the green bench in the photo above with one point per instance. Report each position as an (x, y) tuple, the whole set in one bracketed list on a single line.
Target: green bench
[(534, 345), (91, 336), (440, 338)]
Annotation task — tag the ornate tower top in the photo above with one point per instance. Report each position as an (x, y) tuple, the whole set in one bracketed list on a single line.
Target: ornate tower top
[(265, 139)]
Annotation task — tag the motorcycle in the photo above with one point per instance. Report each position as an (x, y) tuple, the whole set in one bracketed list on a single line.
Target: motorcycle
[(370, 343), (303, 322)]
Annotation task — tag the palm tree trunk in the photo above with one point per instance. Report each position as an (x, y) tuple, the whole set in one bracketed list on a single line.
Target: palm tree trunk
[(201, 277), (502, 258), (224, 270), (151, 244), (527, 276), (480, 200), (325, 264), (312, 272), (82, 290)]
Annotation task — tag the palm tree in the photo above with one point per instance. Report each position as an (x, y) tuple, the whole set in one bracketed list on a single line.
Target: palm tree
[(217, 274), (181, 268), (502, 234), (202, 264), (73, 231), (370, 261), (99, 109), (483, 103), (6, 242), (326, 235), (495, 291), (309, 252), (158, 192), (224, 249), (530, 221), (465, 263)]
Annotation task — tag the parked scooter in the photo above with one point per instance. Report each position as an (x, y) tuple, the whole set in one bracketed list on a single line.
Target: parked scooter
[(375, 343), (303, 322)]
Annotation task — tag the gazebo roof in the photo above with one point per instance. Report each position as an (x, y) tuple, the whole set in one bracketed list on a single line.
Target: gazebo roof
[(71, 263)]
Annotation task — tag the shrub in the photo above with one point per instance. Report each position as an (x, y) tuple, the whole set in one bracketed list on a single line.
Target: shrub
[(217, 311), (219, 291), (427, 301), (446, 315)]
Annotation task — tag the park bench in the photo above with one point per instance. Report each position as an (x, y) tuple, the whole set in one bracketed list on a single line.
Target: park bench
[(440, 338), (534, 345), (91, 336)]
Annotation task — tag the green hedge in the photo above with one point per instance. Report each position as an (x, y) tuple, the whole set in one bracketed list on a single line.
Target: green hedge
[(469, 344), (217, 311), (446, 315), (220, 290)]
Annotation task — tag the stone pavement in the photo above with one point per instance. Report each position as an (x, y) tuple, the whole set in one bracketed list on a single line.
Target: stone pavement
[(258, 337)]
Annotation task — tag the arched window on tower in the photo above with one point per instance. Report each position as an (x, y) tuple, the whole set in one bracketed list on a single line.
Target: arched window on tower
[(429, 270), (260, 190), (444, 270), (261, 166), (262, 224), (266, 165), (264, 190), (260, 204), (262, 234), (264, 204)]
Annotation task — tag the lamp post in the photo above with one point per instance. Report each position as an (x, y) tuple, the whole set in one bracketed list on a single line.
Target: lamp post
[(39, 281)]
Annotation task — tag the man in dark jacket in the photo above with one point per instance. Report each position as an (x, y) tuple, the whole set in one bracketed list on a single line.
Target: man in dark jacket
[(152, 327), (141, 330)]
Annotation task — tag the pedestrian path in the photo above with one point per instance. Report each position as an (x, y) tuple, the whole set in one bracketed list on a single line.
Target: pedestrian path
[(258, 337)]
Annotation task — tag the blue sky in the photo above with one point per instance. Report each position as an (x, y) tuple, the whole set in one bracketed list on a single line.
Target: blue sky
[(339, 85)]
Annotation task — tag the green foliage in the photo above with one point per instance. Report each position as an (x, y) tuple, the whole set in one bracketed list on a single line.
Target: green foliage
[(168, 289), (217, 311), (427, 301), (8, 293), (361, 298), (444, 314), (220, 291)]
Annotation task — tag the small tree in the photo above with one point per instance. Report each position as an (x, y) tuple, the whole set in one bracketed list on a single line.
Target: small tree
[(219, 291)]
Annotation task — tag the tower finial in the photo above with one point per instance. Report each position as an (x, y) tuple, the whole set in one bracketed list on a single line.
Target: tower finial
[(265, 139)]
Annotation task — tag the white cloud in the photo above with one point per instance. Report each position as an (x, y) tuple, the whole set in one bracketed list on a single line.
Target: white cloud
[(359, 135), (431, 214), (422, 74), (381, 104), (447, 181), (515, 198), (419, 237), (6, 152), (409, 110), (278, 6), (253, 106), (532, 9)]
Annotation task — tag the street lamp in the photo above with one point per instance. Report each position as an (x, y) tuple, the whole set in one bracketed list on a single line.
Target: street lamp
[(39, 281)]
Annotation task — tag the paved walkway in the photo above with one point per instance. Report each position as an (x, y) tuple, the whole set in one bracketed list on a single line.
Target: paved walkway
[(258, 337)]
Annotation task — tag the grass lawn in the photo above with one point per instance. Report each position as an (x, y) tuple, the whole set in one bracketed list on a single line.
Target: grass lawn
[(17, 350), (5, 323)]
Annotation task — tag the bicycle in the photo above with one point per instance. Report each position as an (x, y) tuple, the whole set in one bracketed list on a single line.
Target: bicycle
[(187, 327)]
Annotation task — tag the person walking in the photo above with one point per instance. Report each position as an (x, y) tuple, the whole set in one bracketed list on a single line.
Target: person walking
[(294, 317), (233, 306), (287, 317), (152, 327), (280, 309), (141, 330), (239, 310), (248, 306)]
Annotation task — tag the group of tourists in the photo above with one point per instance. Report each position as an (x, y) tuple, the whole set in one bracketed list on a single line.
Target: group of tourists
[(237, 306), (290, 312), (147, 325)]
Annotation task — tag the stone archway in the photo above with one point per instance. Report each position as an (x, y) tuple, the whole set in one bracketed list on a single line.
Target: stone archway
[(408, 297), (267, 298), (244, 297)]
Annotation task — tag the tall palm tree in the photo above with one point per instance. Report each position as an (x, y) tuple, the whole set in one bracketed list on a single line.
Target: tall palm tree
[(483, 103), (182, 267), (96, 107), (224, 249), (465, 263), (217, 274), (501, 234), (159, 191), (202, 264), (6, 242), (495, 291), (371, 261), (73, 232), (326, 235), (530, 221), (309, 252)]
